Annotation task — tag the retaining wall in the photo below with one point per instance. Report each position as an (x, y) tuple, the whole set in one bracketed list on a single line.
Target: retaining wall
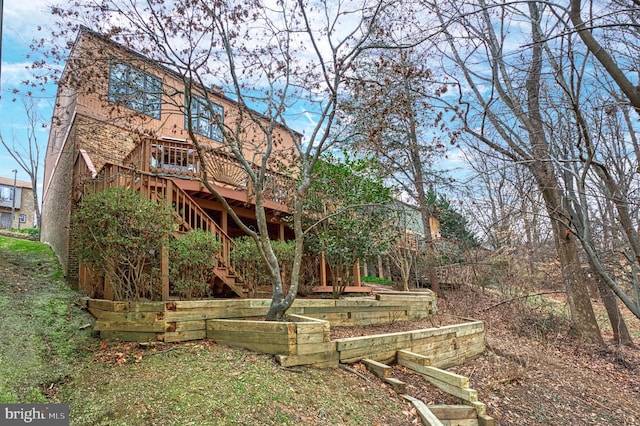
[(305, 338)]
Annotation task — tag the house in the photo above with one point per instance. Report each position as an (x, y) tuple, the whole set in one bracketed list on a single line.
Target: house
[(16, 204), (408, 222), (121, 119)]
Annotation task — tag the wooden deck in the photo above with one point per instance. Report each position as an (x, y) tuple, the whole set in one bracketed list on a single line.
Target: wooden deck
[(348, 289)]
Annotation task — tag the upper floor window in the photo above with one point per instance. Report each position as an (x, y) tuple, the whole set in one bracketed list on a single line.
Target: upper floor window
[(205, 116), (6, 193), (135, 89)]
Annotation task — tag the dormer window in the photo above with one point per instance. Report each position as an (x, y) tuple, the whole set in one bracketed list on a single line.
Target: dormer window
[(205, 116), (135, 89)]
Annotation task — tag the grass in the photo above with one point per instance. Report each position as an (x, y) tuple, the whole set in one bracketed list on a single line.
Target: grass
[(45, 357), (39, 340), (377, 280), (206, 384)]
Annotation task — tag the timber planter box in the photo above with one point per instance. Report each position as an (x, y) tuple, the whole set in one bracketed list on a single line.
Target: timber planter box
[(299, 341)]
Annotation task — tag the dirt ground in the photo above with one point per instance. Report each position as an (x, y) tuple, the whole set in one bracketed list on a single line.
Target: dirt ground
[(532, 372)]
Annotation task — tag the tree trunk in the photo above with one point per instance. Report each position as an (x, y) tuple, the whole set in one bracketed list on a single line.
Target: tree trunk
[(621, 334), (584, 325), (420, 182)]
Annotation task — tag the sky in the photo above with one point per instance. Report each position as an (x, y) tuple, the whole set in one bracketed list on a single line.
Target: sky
[(21, 21)]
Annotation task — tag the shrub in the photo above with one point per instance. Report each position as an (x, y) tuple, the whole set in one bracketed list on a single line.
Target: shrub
[(247, 260), (192, 258), (33, 233), (120, 233)]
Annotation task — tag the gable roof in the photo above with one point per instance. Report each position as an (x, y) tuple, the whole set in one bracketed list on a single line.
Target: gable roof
[(19, 183)]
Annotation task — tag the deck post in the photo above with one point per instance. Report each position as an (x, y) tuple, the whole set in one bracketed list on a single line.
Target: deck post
[(224, 221), (169, 193), (380, 267), (323, 270), (356, 274)]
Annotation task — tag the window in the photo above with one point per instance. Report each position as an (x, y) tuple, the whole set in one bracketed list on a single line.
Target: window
[(135, 89), (6, 193), (22, 218), (202, 120)]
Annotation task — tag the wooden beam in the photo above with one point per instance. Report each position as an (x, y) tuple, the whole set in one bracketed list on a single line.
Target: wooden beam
[(465, 394), (481, 407), (397, 385), (183, 336), (377, 368), (320, 359), (347, 289), (404, 357), (426, 416), (446, 377), (453, 412), (231, 194), (484, 420)]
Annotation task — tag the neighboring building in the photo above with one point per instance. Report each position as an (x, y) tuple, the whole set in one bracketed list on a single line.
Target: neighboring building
[(410, 218), (408, 223), (124, 124), (21, 201)]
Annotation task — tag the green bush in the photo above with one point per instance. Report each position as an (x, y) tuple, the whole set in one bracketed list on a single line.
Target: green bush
[(120, 233), (32, 232), (192, 258), (246, 259)]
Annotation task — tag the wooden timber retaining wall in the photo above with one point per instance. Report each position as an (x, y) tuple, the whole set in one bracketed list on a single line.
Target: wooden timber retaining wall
[(175, 321), (445, 346), (303, 340)]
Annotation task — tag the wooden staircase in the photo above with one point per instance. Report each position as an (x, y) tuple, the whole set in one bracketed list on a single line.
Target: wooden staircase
[(189, 215)]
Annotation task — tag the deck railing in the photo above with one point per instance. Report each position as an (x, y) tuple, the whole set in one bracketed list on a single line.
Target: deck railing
[(164, 157), (162, 188), (180, 160)]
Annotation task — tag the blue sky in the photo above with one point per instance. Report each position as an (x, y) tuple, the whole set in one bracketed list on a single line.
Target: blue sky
[(20, 26)]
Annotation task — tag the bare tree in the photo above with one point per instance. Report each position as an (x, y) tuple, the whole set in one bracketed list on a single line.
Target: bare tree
[(504, 83), (27, 153), (274, 60), (592, 138), (506, 207), (620, 17), (396, 113)]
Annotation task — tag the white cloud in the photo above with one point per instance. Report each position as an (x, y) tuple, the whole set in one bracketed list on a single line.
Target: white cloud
[(22, 18), (14, 73)]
